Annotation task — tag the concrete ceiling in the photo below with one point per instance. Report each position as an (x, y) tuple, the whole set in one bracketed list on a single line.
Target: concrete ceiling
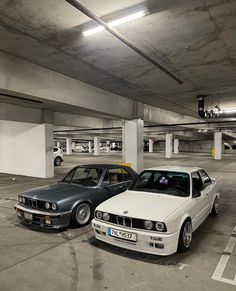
[(195, 40)]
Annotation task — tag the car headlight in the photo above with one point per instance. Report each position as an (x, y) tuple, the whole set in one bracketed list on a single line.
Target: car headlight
[(99, 215), (106, 216), (20, 198), (47, 205), (54, 206), (148, 224), (160, 226), (23, 200)]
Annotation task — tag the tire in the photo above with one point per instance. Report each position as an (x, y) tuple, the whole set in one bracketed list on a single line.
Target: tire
[(57, 161), (81, 215), (215, 207), (185, 236)]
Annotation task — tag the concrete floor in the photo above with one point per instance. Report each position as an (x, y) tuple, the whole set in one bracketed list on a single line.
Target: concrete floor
[(33, 259)]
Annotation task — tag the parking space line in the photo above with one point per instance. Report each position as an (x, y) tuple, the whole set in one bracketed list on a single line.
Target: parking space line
[(224, 261)]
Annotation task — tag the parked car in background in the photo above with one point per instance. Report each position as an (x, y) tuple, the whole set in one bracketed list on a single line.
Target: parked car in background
[(73, 199), (159, 212), (58, 156)]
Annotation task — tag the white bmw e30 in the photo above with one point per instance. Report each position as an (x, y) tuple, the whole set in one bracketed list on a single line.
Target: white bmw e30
[(159, 212)]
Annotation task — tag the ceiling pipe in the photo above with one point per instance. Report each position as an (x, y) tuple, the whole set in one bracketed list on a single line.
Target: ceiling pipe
[(148, 126), (115, 33)]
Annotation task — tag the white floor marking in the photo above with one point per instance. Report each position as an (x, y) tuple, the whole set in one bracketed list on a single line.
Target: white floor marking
[(182, 266), (224, 260)]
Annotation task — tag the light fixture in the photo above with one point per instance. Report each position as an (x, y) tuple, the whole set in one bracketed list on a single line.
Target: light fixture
[(117, 22)]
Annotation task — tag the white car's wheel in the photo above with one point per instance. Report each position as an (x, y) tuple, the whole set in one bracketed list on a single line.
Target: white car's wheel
[(215, 207), (57, 161), (185, 236)]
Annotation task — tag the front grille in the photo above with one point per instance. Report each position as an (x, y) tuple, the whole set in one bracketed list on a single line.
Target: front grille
[(34, 203), (125, 221)]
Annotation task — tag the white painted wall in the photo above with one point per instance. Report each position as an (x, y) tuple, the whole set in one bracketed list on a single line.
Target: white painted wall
[(26, 149)]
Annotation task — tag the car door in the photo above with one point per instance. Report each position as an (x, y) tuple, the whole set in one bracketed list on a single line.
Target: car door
[(200, 200), (208, 189), (116, 181)]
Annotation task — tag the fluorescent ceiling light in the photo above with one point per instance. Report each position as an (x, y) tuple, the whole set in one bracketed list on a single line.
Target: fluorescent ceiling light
[(116, 22)]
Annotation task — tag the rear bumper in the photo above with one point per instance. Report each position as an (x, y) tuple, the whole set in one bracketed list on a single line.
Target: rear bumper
[(43, 218), (147, 242)]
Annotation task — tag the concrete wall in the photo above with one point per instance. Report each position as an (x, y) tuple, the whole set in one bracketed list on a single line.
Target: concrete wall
[(26, 149)]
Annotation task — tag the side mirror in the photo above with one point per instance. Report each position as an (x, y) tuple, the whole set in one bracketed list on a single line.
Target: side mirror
[(105, 184), (196, 193)]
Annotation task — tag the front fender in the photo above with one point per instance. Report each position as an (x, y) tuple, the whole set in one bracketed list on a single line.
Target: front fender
[(76, 203)]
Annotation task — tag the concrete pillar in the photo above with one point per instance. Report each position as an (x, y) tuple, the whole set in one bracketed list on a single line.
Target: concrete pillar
[(68, 146), (218, 145), (96, 146), (176, 146), (26, 149), (132, 135), (58, 144), (169, 145), (150, 145), (90, 147), (73, 145)]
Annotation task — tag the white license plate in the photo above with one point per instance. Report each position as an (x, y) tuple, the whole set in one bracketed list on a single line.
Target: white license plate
[(122, 234), (28, 216)]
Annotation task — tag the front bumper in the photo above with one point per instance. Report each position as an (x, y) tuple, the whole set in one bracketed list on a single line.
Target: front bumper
[(147, 241), (43, 218)]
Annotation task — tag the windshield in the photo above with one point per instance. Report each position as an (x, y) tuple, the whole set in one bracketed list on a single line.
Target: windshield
[(88, 177), (163, 182)]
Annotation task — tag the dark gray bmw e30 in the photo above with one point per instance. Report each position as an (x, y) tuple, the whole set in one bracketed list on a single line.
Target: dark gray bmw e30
[(73, 199)]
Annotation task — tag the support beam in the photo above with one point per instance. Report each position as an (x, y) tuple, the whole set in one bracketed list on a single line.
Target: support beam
[(218, 145), (176, 146), (169, 137), (69, 146), (96, 146), (90, 147), (150, 145), (133, 143), (58, 144)]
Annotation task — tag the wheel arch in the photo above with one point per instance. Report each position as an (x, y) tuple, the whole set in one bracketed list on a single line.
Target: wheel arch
[(75, 204), (185, 217)]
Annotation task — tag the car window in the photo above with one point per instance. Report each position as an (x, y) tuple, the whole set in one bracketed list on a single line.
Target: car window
[(205, 178), (115, 176), (84, 176), (55, 149), (163, 182), (196, 182)]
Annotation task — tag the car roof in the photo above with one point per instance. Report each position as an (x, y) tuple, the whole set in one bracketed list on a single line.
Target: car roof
[(176, 169), (103, 166)]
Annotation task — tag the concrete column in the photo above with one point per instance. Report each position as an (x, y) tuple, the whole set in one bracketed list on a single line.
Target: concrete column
[(96, 146), (132, 135), (169, 145), (73, 145), (58, 144), (26, 149), (176, 146), (150, 145), (68, 146), (90, 147), (218, 145)]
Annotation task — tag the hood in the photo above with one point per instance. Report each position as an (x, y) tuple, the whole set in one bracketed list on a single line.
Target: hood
[(57, 192), (143, 205)]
